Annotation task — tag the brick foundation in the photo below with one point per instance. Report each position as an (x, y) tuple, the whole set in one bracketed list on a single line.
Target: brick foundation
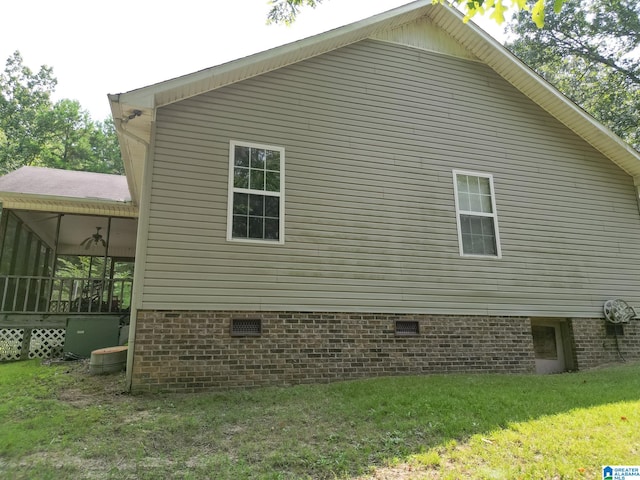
[(192, 351), (593, 347)]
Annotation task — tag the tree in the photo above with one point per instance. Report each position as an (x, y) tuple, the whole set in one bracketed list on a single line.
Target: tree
[(36, 131), (25, 98), (285, 11), (106, 148), (77, 143), (589, 52)]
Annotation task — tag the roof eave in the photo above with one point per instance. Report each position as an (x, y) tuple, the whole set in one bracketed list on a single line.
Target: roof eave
[(58, 204), (133, 127)]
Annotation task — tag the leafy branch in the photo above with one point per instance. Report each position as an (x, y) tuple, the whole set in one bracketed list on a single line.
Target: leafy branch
[(286, 11)]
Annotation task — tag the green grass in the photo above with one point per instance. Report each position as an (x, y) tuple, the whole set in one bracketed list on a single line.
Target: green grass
[(58, 422)]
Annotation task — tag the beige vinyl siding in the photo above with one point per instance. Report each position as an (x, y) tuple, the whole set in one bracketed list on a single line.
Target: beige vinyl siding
[(371, 134)]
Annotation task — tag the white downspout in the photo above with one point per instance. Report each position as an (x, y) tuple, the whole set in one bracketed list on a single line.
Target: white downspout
[(141, 240)]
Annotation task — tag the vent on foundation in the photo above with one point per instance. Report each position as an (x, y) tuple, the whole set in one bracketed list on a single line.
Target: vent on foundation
[(404, 327), (246, 327), (614, 329)]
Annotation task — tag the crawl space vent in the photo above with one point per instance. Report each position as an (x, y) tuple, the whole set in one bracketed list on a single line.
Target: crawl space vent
[(246, 327), (614, 329), (407, 328)]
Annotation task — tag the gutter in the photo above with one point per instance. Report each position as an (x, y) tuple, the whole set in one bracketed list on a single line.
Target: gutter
[(90, 206)]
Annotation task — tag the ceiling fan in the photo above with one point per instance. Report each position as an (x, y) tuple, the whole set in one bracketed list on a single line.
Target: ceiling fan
[(94, 239)]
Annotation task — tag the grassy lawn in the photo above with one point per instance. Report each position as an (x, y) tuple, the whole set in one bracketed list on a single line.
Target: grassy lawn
[(57, 422)]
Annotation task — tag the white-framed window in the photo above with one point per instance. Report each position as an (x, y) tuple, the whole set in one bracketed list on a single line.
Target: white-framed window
[(476, 214), (256, 193)]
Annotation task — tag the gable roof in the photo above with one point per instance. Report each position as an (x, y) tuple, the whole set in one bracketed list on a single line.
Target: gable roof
[(50, 189), (134, 111)]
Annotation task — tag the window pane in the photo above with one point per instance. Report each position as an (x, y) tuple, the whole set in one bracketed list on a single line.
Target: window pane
[(273, 160), (256, 227), (476, 203), (476, 225), (240, 204), (463, 186), (258, 158), (271, 229), (272, 207), (273, 182), (477, 243), (464, 202), (489, 247), (241, 158), (241, 177), (486, 204), (474, 184), (240, 226), (474, 194), (484, 185), (467, 245), (465, 224), (256, 205), (478, 235), (257, 180), (487, 227)]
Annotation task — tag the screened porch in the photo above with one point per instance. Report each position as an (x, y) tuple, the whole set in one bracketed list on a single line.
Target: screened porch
[(63, 263), (56, 267)]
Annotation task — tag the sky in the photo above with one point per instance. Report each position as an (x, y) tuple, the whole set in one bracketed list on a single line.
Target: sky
[(98, 47)]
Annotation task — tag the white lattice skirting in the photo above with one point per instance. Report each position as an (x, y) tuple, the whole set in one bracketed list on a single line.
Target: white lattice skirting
[(43, 343), (11, 343)]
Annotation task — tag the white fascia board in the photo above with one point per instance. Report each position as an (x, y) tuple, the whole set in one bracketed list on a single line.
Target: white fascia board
[(52, 203)]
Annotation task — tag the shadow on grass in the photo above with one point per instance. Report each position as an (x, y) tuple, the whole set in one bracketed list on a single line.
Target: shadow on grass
[(338, 430), (344, 429)]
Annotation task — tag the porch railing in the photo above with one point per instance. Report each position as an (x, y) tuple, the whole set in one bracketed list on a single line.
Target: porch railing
[(29, 294)]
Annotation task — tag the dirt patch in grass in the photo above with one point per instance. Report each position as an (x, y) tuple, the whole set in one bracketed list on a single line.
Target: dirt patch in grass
[(400, 472), (85, 389)]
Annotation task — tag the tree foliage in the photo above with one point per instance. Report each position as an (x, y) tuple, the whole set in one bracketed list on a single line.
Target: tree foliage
[(590, 52), (286, 11), (36, 131)]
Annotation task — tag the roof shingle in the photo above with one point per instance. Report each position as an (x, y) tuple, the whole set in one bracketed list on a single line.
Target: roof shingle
[(66, 183)]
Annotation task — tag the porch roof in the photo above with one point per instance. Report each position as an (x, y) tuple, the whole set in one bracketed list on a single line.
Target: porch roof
[(67, 191)]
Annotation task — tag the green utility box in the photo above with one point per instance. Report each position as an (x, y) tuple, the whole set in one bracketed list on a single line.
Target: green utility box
[(86, 334)]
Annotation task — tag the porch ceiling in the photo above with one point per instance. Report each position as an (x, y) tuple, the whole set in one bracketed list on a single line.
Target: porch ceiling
[(76, 228)]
